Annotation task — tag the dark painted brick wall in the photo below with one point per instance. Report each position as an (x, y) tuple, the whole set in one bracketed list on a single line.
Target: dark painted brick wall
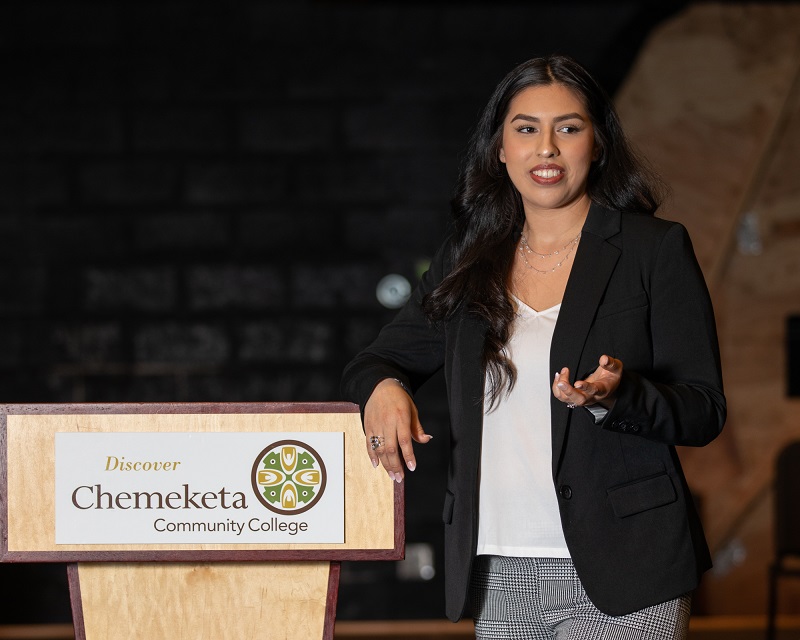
[(198, 199)]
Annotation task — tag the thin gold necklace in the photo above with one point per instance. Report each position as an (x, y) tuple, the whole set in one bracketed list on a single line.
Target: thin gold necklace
[(525, 250)]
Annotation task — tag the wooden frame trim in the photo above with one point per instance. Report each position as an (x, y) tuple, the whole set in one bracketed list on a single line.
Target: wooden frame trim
[(188, 555)]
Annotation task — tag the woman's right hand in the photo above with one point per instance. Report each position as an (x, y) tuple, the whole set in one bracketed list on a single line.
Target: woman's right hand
[(391, 422)]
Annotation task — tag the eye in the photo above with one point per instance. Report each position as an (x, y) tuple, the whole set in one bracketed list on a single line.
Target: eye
[(526, 128), (570, 128)]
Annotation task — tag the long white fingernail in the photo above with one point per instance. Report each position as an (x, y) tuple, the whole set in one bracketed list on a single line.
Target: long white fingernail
[(374, 464), (411, 465)]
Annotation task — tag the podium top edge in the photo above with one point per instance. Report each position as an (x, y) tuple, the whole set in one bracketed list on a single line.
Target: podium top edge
[(123, 408)]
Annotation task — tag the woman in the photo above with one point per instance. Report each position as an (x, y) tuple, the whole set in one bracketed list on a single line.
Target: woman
[(578, 345)]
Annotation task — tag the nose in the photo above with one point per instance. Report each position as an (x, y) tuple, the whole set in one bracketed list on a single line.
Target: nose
[(547, 145)]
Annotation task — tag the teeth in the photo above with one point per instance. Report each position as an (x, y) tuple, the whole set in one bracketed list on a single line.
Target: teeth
[(546, 173)]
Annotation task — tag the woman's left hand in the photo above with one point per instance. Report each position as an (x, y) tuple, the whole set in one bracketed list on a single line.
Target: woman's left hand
[(599, 387)]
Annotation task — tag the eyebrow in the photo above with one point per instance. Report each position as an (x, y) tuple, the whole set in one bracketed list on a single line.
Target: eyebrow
[(566, 116)]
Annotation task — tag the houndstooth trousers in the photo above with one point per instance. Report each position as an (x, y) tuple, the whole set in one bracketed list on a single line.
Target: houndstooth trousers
[(543, 599)]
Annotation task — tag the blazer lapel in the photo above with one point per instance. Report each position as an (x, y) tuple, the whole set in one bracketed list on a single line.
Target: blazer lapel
[(594, 263)]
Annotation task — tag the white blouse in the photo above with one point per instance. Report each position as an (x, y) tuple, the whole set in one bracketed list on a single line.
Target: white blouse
[(518, 511)]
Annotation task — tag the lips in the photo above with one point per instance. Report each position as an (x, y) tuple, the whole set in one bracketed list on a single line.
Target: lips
[(547, 174)]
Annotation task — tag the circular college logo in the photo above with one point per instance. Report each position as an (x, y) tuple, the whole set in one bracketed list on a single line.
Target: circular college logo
[(289, 477)]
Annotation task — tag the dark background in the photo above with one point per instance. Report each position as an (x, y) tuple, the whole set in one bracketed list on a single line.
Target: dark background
[(197, 201)]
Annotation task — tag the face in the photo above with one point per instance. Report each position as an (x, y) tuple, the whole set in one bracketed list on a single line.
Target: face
[(548, 146)]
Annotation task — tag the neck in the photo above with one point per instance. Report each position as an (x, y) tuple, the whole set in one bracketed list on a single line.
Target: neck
[(550, 227)]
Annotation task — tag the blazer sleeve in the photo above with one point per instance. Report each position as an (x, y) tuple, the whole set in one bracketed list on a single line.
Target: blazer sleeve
[(410, 348), (681, 401)]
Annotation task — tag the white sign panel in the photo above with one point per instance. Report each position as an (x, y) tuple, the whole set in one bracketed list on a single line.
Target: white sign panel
[(199, 488)]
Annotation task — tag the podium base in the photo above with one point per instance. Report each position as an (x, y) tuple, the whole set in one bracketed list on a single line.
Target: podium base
[(212, 601)]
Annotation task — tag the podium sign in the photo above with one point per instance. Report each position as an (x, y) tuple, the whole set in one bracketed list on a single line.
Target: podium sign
[(195, 520), (199, 487)]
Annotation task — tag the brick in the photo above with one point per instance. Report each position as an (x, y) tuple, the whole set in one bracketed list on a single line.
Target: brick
[(391, 127), (282, 386), (89, 129), (416, 230), (82, 238), (479, 24), (260, 79), (44, 184), (169, 232), (148, 289), (184, 74), (378, 28), (181, 130), (310, 342), (12, 131), (289, 231), (172, 342), (301, 342), (178, 25), (316, 386), (268, 22), (386, 28), (22, 290), (82, 24), (360, 332), (21, 385), (225, 287), (290, 129), (279, 387), (330, 286), (423, 179), (152, 81), (11, 344), (73, 76), (235, 183), (16, 240), (133, 387), (350, 75), (214, 388), (261, 342), (129, 183), (12, 192), (86, 343), (285, 386), (363, 179)]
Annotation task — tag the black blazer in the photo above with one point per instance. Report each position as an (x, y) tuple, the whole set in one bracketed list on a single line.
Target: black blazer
[(636, 293)]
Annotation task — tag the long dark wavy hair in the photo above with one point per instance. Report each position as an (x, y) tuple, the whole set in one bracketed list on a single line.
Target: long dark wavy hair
[(488, 212)]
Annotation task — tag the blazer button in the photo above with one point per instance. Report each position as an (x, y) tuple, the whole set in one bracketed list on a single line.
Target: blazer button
[(565, 491)]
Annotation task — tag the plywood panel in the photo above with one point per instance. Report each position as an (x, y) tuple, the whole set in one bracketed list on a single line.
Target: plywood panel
[(369, 494), (280, 601)]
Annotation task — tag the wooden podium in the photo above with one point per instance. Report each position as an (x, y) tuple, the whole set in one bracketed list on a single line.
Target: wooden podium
[(193, 591)]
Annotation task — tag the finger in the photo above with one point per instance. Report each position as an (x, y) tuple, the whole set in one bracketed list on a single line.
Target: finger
[(405, 441), (376, 446), (610, 364), (564, 391), (390, 458), (561, 381), (378, 451), (372, 449), (418, 435), (587, 389)]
